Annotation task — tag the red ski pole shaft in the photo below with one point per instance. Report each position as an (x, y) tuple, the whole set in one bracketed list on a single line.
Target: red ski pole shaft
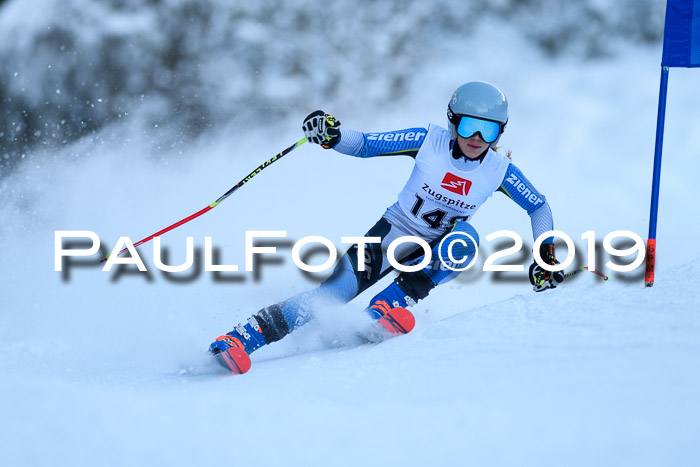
[(221, 198)]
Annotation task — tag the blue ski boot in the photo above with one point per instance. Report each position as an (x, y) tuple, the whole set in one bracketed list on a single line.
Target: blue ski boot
[(232, 350), (388, 306)]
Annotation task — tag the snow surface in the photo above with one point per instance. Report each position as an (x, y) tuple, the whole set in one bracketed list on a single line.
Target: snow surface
[(107, 369)]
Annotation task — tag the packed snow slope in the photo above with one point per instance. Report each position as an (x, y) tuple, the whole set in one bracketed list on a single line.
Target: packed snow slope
[(103, 368), (591, 375)]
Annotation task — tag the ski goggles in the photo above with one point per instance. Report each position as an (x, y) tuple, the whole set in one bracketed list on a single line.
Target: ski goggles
[(469, 126)]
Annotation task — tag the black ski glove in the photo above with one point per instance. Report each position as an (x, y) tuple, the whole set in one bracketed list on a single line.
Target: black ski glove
[(321, 128), (540, 278)]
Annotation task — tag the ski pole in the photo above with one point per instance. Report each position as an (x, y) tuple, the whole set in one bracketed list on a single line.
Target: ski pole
[(585, 268), (218, 201)]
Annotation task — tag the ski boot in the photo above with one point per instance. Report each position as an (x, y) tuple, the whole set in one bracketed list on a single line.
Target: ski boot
[(388, 307), (233, 350)]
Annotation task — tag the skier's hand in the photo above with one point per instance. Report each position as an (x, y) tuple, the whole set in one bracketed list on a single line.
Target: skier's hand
[(540, 278), (321, 128)]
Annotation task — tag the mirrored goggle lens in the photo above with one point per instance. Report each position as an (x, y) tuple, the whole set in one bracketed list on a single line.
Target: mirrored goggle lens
[(469, 126)]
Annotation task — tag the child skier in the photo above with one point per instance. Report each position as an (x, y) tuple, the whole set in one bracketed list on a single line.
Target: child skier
[(456, 170)]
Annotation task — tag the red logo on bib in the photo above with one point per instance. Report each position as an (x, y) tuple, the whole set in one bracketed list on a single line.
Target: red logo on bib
[(456, 184)]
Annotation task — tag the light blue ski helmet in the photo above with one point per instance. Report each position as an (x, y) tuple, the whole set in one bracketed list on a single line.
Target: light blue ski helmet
[(480, 100)]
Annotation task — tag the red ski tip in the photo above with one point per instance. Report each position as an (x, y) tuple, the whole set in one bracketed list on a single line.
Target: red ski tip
[(235, 359), (398, 321)]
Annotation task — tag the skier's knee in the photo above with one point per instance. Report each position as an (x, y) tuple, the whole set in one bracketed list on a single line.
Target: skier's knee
[(466, 228), (458, 245)]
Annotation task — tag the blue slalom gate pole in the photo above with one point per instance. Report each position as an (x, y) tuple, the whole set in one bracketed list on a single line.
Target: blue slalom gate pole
[(656, 180), (681, 49)]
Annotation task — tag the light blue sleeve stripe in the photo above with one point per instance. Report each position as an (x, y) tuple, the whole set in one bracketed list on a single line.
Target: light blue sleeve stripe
[(523, 192), (356, 143), (352, 142), (520, 189), (541, 220)]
